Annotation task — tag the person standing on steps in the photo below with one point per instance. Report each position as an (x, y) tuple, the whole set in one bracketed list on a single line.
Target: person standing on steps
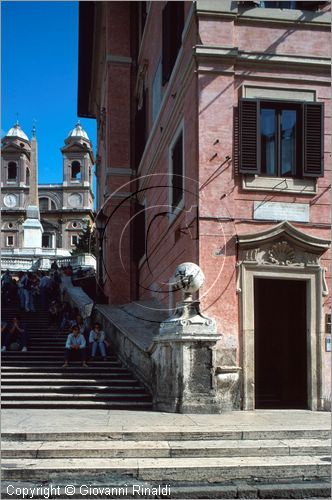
[(23, 291), (15, 332), (30, 285), (97, 340), (75, 343), (44, 288), (6, 280), (54, 266)]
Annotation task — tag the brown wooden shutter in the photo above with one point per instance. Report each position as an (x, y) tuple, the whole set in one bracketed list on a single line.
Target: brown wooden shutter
[(313, 139), (249, 137)]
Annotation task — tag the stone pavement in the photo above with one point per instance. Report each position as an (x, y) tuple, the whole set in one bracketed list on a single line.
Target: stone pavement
[(31, 420), (39, 420), (260, 454)]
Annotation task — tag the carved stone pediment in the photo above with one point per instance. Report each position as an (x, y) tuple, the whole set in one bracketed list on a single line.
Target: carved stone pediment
[(281, 253), (281, 245)]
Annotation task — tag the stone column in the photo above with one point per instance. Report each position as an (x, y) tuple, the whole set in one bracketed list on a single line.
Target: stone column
[(184, 353)]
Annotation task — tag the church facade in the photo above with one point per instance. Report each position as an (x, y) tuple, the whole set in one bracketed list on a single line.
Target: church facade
[(65, 208)]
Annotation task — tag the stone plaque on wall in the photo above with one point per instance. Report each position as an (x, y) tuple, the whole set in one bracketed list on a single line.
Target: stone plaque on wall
[(270, 210)]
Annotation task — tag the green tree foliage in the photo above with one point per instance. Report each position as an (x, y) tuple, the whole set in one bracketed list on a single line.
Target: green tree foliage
[(86, 242)]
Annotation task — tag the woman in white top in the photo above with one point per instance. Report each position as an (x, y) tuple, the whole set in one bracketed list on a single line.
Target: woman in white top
[(97, 339)]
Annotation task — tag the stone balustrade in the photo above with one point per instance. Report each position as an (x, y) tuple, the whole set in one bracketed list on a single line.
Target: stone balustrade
[(39, 261)]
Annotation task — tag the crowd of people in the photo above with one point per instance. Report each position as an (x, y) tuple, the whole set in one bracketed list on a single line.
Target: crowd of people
[(31, 290), (28, 289)]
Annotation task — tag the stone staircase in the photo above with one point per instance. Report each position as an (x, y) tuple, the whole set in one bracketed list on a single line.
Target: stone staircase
[(36, 379), (146, 458), (192, 464)]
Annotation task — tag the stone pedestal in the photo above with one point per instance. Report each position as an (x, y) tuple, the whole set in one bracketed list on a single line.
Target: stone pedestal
[(184, 359), (32, 229)]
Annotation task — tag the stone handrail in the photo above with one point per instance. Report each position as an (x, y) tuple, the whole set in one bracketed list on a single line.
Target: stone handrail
[(76, 296)]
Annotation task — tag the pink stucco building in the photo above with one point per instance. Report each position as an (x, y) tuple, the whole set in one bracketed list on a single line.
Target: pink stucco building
[(214, 147)]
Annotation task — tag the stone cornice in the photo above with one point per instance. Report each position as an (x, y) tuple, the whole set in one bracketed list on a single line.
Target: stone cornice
[(285, 16), (284, 229), (113, 58), (230, 11), (235, 55)]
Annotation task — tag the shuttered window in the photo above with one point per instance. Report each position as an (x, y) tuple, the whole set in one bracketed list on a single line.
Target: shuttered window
[(140, 130), (313, 139), (249, 137), (177, 172), (172, 27), (139, 229), (281, 139)]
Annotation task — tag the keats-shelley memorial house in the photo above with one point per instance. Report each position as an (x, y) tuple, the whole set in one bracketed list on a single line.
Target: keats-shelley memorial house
[(214, 148)]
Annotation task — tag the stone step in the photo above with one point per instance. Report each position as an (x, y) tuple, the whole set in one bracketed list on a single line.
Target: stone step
[(50, 336), (170, 434), (72, 369), (98, 367), (46, 345), (209, 469), (60, 389), (61, 396), (63, 375), (142, 489), (159, 449), (9, 355), (42, 358), (35, 362), (75, 404), (10, 382)]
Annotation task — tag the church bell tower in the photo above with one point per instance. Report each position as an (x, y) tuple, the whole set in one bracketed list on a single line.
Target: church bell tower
[(78, 160)]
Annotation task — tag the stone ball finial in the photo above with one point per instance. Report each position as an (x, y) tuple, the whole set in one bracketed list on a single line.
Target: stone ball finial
[(189, 278)]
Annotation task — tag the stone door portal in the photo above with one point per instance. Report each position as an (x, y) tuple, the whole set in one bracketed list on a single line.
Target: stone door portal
[(281, 284), (280, 344)]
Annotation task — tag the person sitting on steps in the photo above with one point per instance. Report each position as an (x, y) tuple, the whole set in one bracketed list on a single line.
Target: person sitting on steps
[(79, 321), (97, 339), (15, 332), (75, 343)]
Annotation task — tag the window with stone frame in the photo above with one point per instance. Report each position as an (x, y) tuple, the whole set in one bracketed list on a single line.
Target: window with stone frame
[(43, 204), (281, 138), (74, 239), (177, 172), (12, 171), (172, 27), (47, 240), (10, 240), (139, 231), (141, 128)]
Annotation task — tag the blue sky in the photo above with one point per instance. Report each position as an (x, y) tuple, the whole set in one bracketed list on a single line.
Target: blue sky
[(39, 76)]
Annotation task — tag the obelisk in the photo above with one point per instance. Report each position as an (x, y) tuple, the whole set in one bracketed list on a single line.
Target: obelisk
[(32, 228)]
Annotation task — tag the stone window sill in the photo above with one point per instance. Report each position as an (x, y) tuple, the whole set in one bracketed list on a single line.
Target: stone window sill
[(279, 184)]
